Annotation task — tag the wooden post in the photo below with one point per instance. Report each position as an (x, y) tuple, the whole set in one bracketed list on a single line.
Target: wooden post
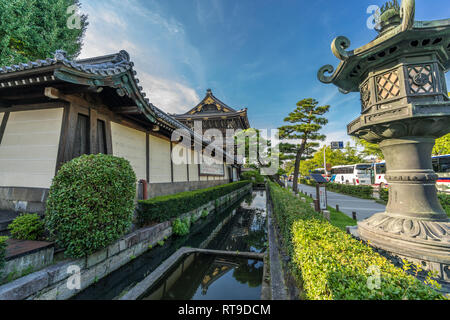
[(354, 215), (327, 215), (337, 207)]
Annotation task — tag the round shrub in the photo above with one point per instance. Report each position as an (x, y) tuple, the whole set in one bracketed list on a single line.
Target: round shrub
[(90, 203), (27, 227), (181, 228)]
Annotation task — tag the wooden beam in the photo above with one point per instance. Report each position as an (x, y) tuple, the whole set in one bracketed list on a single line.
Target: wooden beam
[(3, 125), (171, 162), (147, 155), (4, 104), (128, 110)]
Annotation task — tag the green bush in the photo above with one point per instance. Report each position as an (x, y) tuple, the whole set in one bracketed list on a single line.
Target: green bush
[(164, 208), (181, 228), (27, 227), (3, 246), (91, 203), (365, 192), (254, 176), (384, 194), (330, 264)]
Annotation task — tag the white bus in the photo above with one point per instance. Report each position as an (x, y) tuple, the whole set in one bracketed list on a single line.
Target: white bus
[(356, 174), (379, 174)]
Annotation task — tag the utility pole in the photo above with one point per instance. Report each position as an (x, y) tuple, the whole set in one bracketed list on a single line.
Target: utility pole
[(325, 159)]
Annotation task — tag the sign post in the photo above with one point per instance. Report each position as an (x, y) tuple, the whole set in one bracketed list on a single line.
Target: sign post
[(320, 203)]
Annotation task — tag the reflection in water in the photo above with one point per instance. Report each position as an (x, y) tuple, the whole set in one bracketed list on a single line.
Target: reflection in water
[(209, 277), (200, 276), (241, 227)]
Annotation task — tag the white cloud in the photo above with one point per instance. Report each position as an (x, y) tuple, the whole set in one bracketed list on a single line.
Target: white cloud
[(118, 25), (172, 97)]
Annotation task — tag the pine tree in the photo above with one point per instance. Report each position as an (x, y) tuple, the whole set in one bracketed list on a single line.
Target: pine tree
[(305, 123), (35, 29)]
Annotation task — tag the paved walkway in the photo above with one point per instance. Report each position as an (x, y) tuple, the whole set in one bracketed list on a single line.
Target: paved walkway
[(347, 204)]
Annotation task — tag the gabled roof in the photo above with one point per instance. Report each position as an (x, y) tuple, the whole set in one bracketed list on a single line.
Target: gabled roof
[(212, 108), (210, 99), (114, 71)]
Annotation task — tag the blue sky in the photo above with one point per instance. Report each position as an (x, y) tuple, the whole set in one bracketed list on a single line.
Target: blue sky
[(259, 54)]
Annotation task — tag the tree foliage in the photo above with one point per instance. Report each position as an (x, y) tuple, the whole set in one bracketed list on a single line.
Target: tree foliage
[(35, 29), (349, 155), (442, 146), (305, 122)]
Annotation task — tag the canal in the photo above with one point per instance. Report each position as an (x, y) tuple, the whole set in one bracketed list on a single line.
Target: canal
[(239, 228)]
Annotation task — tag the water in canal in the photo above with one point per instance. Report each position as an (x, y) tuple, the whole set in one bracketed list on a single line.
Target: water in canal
[(241, 227)]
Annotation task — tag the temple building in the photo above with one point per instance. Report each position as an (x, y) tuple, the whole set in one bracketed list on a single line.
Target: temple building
[(57, 109), (214, 114)]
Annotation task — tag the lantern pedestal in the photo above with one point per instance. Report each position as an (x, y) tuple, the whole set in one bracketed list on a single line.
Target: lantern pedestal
[(414, 225)]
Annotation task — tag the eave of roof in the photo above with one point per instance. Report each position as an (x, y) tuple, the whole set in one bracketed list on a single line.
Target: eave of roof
[(115, 70)]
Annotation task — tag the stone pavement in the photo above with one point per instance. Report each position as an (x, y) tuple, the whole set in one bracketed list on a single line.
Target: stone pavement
[(347, 204)]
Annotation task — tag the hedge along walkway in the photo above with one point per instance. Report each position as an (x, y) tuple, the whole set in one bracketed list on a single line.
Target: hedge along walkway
[(330, 264), (347, 204)]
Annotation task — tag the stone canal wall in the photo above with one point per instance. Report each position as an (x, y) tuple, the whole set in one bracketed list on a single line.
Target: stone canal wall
[(59, 281)]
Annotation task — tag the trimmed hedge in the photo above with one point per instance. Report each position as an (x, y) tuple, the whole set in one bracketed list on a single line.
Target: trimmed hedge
[(329, 264), (384, 194), (254, 176), (3, 246), (27, 227), (364, 192), (445, 202), (164, 208), (91, 203)]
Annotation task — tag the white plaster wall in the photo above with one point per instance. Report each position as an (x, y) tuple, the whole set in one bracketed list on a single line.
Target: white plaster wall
[(180, 170), (130, 144), (29, 148), (193, 167), (1, 117), (159, 160), (226, 173)]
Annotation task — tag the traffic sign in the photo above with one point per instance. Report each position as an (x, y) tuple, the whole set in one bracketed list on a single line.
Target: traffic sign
[(337, 145)]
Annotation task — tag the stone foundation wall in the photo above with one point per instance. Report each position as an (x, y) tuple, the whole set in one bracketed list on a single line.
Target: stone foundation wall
[(22, 199), (51, 283)]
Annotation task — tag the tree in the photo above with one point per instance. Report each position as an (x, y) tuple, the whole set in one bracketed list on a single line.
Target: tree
[(35, 29), (305, 123), (369, 149), (442, 146), (348, 155)]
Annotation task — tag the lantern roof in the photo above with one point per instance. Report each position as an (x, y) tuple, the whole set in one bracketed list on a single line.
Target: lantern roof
[(407, 37)]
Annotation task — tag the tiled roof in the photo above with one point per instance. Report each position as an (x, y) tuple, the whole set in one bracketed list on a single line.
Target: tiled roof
[(108, 65)]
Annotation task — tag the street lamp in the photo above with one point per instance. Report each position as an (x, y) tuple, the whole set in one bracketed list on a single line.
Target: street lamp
[(404, 108)]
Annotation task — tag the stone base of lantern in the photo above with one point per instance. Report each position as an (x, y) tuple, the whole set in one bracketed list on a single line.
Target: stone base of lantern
[(414, 225)]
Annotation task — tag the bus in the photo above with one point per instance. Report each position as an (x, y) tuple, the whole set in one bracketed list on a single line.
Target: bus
[(379, 174), (356, 174), (441, 165)]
